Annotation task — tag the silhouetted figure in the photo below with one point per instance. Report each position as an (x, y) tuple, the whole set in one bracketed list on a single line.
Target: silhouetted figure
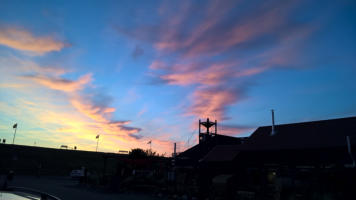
[(75, 147), (3, 141)]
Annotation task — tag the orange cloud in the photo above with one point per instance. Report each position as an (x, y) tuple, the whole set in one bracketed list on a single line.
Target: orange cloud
[(95, 115), (93, 112), (25, 41), (59, 83), (101, 115), (11, 85)]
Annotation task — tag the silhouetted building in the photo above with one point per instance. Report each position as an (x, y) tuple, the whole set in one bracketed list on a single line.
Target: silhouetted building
[(316, 142), (207, 141), (304, 160)]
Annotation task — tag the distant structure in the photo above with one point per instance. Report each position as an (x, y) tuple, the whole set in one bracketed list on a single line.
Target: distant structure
[(205, 136), (174, 154), (207, 141), (63, 147), (123, 151)]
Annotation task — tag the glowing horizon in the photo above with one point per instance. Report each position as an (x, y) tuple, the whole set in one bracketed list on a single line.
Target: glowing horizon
[(135, 72)]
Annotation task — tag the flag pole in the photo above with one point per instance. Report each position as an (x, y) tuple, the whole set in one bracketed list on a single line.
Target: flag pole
[(13, 139), (97, 144)]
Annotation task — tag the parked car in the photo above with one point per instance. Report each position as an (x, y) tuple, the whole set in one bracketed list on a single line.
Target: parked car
[(77, 173)]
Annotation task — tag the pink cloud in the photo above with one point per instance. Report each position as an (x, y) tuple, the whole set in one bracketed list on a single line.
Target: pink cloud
[(212, 102), (142, 111), (212, 15), (219, 47), (212, 34), (157, 65), (209, 75), (251, 71)]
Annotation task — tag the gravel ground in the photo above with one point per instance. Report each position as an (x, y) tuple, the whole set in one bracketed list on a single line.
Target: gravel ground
[(68, 189)]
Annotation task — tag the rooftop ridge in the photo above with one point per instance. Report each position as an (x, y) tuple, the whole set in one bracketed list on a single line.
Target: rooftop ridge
[(309, 122)]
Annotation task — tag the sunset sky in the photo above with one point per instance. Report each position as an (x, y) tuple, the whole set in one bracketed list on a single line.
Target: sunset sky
[(135, 71)]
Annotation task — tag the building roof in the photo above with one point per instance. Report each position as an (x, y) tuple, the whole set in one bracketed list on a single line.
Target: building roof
[(314, 134), (222, 153), (297, 141), (200, 150)]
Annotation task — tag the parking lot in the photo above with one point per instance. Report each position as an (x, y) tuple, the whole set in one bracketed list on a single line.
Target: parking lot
[(69, 189)]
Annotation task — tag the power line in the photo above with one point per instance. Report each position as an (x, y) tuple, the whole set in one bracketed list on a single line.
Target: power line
[(190, 137)]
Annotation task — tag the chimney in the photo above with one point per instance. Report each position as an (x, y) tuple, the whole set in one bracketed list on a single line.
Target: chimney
[(273, 131)]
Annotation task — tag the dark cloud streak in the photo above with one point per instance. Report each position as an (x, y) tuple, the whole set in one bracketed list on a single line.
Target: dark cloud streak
[(137, 52)]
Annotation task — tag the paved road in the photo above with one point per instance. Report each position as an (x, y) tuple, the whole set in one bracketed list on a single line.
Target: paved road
[(68, 189)]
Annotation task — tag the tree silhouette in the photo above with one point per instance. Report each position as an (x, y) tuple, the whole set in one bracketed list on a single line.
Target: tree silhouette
[(137, 153), (140, 153)]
